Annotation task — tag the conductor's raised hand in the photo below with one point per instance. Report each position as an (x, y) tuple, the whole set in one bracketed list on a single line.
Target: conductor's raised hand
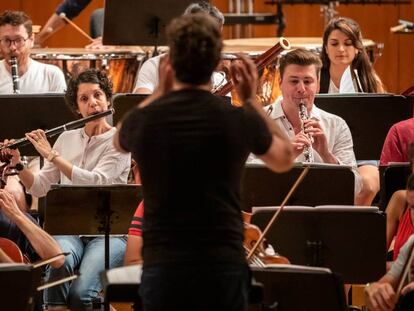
[(245, 79), (39, 140)]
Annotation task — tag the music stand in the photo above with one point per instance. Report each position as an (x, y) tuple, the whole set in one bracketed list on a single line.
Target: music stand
[(131, 22), (349, 241), (123, 102), (369, 117), (91, 210), (263, 187), (18, 283), (24, 113), (300, 288)]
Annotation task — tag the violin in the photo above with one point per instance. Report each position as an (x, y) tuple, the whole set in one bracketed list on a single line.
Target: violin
[(260, 258), (13, 251), (255, 245)]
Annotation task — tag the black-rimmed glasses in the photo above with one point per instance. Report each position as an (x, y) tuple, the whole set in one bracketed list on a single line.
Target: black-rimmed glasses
[(18, 42)]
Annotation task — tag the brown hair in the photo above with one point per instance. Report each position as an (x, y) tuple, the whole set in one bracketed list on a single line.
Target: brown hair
[(301, 57), (16, 18), (361, 61), (195, 47)]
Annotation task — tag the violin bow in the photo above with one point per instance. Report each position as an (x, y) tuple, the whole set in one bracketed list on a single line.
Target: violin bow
[(277, 213)]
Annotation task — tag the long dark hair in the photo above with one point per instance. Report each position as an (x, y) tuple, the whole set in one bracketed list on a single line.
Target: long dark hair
[(361, 62)]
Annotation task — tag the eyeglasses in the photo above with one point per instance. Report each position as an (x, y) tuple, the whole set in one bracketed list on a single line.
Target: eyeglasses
[(18, 42)]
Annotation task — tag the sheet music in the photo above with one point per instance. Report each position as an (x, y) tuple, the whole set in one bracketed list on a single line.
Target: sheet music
[(347, 83), (347, 208), (124, 275), (297, 268)]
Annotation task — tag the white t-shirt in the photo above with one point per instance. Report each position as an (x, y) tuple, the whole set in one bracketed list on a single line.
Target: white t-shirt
[(39, 78), (148, 76)]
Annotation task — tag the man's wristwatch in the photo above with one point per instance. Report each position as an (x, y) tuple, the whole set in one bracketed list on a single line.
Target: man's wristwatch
[(53, 154)]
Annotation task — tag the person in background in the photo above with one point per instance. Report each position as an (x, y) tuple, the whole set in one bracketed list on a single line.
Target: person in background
[(71, 9), (345, 60), (148, 76)]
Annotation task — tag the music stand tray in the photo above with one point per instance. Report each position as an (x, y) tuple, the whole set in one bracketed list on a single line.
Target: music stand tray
[(91, 210), (18, 283), (323, 185), (24, 113), (131, 22), (349, 240), (300, 288)]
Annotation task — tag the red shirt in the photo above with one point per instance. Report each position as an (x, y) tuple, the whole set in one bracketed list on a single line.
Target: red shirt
[(136, 223), (405, 230)]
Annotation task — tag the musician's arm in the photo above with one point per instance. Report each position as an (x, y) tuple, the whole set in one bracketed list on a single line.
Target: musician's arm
[(44, 244), (133, 250)]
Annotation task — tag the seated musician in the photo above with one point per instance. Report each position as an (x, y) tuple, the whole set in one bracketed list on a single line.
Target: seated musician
[(83, 156), (190, 169), (23, 230), (400, 217), (345, 59), (148, 76), (381, 295), (16, 40), (324, 136)]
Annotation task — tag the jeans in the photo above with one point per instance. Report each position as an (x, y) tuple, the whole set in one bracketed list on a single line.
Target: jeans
[(86, 255), (195, 287)]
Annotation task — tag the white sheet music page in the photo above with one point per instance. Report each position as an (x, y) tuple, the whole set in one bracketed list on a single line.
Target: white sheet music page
[(347, 83), (125, 275)]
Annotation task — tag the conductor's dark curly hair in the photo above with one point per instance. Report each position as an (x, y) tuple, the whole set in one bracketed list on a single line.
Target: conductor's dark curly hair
[(93, 76)]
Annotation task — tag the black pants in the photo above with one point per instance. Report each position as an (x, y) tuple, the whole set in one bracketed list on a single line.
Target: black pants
[(195, 287)]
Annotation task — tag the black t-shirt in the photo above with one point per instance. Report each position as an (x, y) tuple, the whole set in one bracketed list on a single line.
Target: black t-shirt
[(191, 148), (11, 231)]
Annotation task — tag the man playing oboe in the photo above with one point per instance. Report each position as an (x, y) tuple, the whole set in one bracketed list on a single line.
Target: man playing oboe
[(326, 135)]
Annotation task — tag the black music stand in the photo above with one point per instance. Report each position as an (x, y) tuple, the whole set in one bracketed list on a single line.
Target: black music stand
[(349, 241), (393, 177), (300, 288), (324, 184), (123, 102), (131, 22), (18, 283), (24, 113), (91, 210), (369, 117)]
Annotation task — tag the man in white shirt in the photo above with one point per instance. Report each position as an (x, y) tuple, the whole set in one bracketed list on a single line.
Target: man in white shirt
[(325, 135), (148, 76), (16, 40)]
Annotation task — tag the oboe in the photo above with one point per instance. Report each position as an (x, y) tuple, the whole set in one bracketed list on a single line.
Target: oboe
[(15, 75), (60, 129), (307, 150)]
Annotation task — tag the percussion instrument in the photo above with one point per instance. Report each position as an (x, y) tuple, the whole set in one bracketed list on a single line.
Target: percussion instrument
[(121, 64), (269, 77)]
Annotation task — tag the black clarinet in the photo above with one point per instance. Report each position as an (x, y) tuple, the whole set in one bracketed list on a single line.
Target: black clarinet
[(15, 75), (60, 129)]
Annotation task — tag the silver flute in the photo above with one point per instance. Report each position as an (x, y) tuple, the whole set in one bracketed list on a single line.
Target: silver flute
[(15, 75), (307, 150)]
